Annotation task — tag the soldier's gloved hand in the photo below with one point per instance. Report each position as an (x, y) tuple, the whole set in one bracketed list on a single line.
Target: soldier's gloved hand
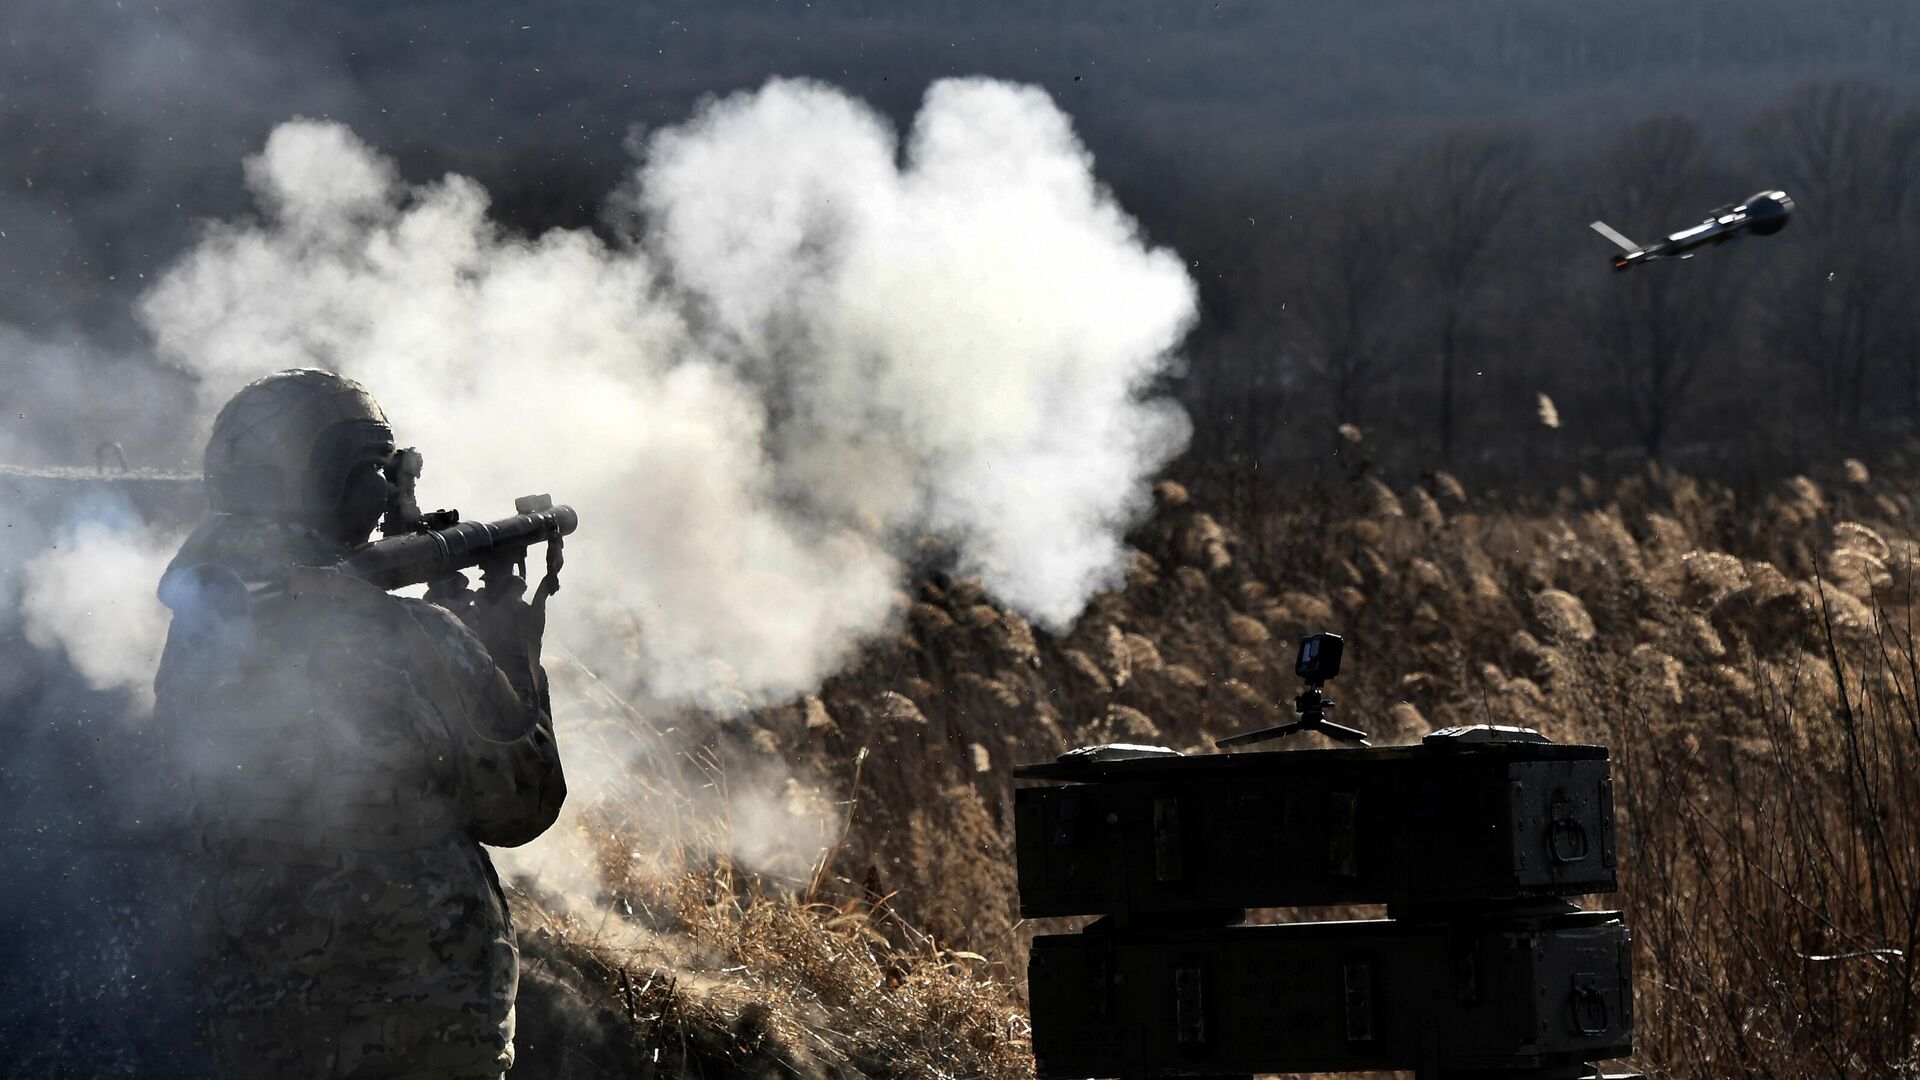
[(505, 623), (450, 591), (556, 558), (508, 627)]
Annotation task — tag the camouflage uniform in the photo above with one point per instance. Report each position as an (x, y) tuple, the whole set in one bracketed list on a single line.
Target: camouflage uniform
[(344, 753)]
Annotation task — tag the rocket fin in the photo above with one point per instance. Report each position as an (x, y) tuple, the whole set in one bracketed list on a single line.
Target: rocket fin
[(1612, 234)]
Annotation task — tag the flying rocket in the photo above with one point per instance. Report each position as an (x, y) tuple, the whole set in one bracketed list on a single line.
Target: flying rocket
[(1763, 214)]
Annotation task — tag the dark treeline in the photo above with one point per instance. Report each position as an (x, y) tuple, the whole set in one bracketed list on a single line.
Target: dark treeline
[(1369, 194), (1448, 299)]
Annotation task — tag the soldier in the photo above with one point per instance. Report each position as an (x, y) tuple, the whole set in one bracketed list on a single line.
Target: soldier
[(343, 754)]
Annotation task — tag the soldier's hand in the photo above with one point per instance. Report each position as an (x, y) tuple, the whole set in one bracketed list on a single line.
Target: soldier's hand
[(506, 624), (550, 584), (510, 628), (450, 591)]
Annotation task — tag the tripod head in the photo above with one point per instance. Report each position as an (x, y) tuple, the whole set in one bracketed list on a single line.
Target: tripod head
[(1318, 662)]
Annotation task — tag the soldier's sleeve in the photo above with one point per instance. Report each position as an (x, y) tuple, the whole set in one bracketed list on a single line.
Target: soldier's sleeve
[(511, 784)]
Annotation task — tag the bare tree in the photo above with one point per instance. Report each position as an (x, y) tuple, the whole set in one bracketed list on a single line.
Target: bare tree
[(1652, 328), (1343, 268), (1840, 321), (1457, 196), (1654, 334), (1848, 152)]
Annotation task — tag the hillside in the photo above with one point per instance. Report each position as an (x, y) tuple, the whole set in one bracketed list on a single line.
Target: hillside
[(1749, 658)]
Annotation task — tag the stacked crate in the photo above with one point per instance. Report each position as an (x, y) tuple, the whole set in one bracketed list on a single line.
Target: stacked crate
[(1473, 841)]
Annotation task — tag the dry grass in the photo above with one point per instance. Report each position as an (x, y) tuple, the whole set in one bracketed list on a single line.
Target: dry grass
[(731, 983), (1752, 660)]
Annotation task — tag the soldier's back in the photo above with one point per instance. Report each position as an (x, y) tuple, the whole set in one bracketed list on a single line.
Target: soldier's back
[(346, 926)]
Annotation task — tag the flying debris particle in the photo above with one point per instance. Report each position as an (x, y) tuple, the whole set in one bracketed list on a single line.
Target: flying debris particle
[(1549, 415)]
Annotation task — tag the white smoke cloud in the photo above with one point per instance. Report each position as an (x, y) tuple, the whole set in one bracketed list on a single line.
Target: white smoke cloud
[(91, 594), (976, 331), (807, 348)]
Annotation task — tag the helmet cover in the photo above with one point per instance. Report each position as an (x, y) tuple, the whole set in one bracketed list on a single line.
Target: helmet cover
[(285, 444)]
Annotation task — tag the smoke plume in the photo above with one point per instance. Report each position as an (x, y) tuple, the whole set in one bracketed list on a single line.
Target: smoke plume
[(805, 347), (91, 595)]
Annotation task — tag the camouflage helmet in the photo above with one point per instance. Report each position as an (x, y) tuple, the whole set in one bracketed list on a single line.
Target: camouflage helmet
[(285, 445)]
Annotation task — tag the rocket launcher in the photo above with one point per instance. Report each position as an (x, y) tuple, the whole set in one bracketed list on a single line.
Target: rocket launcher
[(417, 548), (430, 553)]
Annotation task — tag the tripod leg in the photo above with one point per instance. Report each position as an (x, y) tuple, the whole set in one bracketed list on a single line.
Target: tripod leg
[(1341, 732), (1279, 732)]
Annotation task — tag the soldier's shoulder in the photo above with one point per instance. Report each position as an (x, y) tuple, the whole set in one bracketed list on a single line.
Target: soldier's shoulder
[(451, 636), (440, 624)]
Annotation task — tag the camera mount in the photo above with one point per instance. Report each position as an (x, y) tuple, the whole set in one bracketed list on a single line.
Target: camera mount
[(1318, 662)]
